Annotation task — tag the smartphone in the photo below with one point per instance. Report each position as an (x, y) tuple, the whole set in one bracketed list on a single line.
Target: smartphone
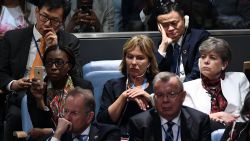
[(39, 72), (86, 7)]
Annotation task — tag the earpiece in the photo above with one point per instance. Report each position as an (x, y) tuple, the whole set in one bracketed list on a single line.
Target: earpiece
[(186, 19), (199, 63), (222, 68)]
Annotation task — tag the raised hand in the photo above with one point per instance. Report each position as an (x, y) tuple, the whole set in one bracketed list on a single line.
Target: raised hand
[(62, 127), (165, 39)]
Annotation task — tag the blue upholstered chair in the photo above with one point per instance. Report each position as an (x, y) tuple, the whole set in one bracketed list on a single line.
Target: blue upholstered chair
[(102, 65), (98, 72), (217, 134)]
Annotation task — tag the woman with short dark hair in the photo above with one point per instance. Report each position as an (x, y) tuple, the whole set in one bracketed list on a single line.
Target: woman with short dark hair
[(46, 98)]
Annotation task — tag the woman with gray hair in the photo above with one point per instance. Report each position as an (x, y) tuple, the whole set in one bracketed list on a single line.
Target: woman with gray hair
[(218, 93)]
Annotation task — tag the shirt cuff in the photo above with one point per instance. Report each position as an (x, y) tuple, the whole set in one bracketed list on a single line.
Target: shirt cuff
[(54, 139), (8, 86), (142, 16), (162, 53)]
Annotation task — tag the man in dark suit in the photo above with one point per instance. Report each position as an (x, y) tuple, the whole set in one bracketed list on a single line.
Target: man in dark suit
[(19, 49), (178, 51), (169, 121), (201, 12), (79, 114)]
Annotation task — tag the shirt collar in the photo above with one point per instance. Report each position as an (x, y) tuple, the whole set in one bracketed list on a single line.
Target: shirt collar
[(176, 120), (36, 33), (179, 42), (85, 132)]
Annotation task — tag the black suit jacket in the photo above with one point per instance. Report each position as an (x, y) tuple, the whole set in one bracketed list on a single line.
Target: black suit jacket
[(146, 126), (14, 52), (99, 132), (189, 52), (112, 90), (241, 132)]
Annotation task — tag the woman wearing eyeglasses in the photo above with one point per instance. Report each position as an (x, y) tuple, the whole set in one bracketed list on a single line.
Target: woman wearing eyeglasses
[(129, 95), (46, 99)]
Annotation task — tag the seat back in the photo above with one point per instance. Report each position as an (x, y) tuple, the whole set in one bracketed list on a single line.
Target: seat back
[(98, 72), (246, 69), (102, 65)]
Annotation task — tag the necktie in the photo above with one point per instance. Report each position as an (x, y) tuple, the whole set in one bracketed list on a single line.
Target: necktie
[(169, 133), (38, 59), (82, 137), (176, 59)]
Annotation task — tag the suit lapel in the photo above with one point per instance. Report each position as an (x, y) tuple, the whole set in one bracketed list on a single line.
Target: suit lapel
[(156, 126), (184, 53), (25, 45), (186, 126), (94, 133)]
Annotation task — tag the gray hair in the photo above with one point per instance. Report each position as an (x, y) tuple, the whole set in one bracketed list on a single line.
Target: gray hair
[(87, 95), (219, 46), (165, 77)]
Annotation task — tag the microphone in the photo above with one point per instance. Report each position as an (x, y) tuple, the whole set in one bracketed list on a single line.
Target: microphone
[(139, 76), (143, 72)]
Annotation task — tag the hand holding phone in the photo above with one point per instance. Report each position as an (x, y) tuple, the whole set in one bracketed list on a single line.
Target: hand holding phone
[(39, 72)]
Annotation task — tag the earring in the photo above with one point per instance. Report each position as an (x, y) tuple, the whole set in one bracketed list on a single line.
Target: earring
[(222, 68)]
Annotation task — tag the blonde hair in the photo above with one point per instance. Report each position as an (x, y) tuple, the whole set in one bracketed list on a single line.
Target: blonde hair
[(146, 46)]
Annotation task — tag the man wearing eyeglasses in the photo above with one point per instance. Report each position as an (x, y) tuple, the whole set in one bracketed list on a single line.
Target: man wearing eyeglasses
[(21, 50), (76, 125), (169, 120)]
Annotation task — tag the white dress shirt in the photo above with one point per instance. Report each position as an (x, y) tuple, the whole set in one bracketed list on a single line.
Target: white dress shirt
[(176, 128)]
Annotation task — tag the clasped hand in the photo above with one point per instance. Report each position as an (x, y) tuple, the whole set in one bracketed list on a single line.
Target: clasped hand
[(138, 95), (223, 117)]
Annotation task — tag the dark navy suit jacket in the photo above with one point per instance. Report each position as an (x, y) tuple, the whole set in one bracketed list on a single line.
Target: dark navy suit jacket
[(189, 52)]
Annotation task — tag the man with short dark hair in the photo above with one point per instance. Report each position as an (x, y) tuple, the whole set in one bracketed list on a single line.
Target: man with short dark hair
[(178, 51), (169, 120), (22, 50), (79, 112)]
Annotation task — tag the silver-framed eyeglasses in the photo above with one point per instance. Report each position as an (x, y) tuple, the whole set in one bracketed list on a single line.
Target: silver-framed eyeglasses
[(170, 95)]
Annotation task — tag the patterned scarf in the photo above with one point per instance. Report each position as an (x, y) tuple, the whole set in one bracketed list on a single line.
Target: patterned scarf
[(218, 101), (56, 99)]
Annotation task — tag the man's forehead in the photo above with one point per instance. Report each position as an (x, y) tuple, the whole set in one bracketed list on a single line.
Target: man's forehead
[(169, 16), (171, 84)]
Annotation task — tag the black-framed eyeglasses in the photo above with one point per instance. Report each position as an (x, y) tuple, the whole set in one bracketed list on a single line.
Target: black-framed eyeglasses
[(53, 21), (58, 62), (170, 95)]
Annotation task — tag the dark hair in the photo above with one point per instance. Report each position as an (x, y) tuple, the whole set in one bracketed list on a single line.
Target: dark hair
[(67, 50), (89, 100), (54, 4), (246, 107), (168, 7)]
